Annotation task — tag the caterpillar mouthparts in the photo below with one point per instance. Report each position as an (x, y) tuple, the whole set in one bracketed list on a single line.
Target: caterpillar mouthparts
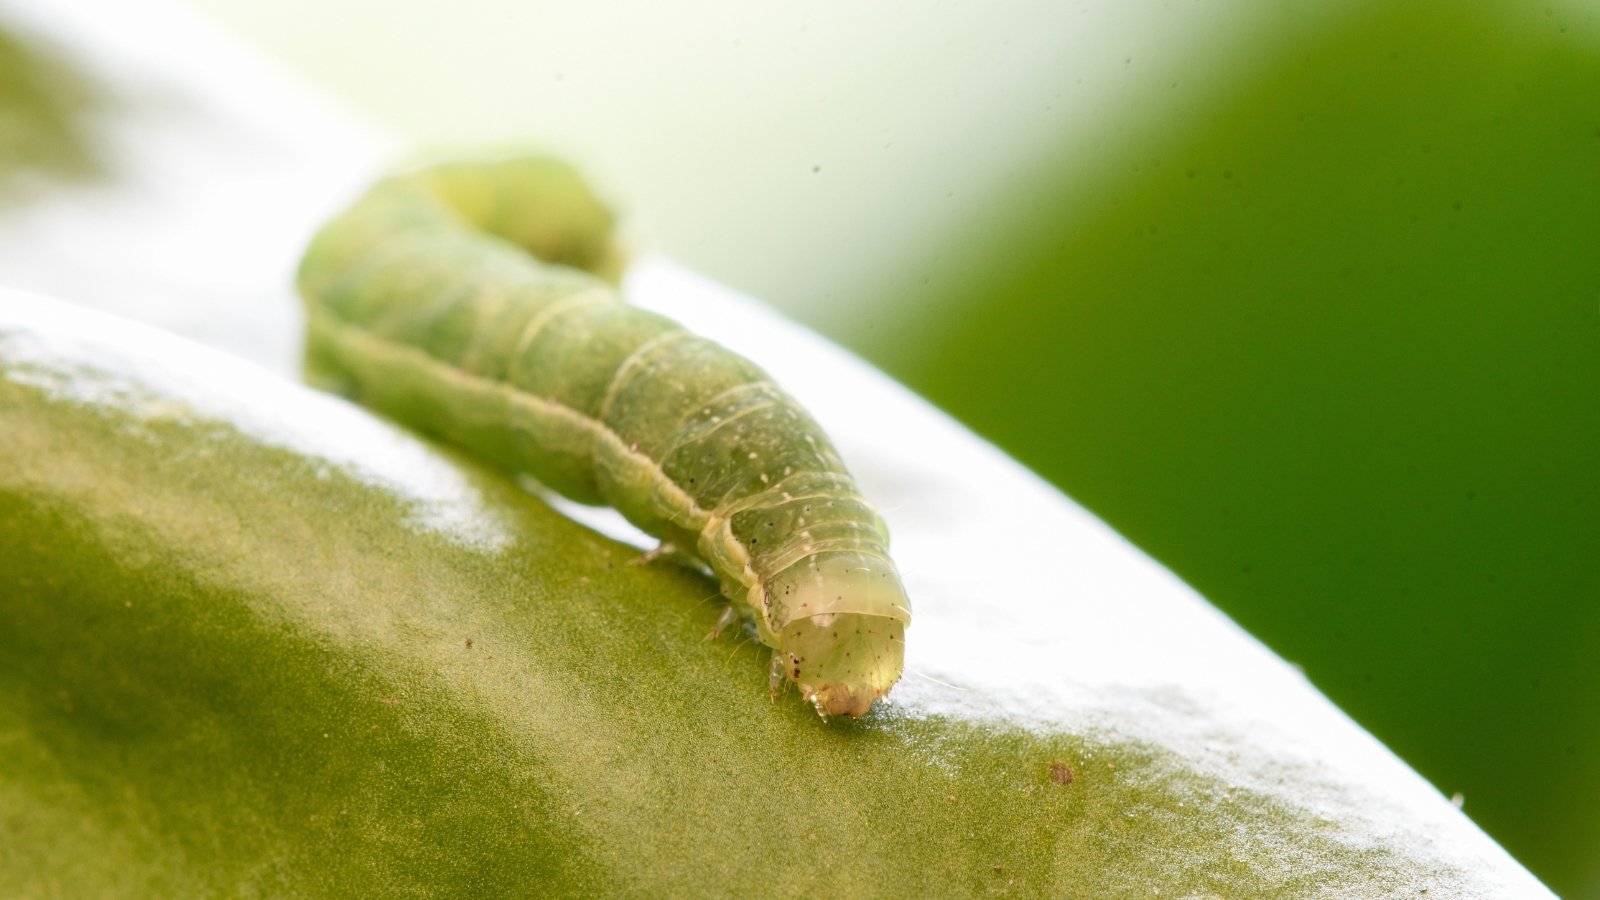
[(844, 645)]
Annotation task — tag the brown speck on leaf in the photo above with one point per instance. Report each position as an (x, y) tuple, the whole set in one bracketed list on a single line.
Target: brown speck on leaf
[(951, 798), (1060, 772), (998, 868), (469, 643)]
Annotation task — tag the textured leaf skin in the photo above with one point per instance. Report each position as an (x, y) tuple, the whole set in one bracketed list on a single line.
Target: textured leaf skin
[(466, 300), (231, 667)]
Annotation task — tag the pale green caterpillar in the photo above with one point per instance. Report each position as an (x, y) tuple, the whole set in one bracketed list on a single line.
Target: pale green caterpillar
[(468, 300)]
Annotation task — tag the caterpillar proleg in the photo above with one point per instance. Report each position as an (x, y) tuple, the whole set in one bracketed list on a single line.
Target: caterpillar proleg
[(471, 300)]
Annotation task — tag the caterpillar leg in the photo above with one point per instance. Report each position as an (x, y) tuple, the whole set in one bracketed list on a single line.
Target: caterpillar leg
[(665, 548), (776, 677), (724, 622)]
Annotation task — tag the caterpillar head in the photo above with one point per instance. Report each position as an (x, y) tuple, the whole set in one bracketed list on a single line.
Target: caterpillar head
[(842, 641)]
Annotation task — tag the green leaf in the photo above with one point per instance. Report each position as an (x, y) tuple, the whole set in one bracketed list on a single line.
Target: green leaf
[(255, 641), (235, 615)]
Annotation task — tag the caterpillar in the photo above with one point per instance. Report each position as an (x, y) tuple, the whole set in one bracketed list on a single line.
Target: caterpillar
[(475, 301)]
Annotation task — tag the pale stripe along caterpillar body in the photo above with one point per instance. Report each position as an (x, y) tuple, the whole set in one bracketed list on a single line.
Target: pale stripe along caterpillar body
[(467, 300)]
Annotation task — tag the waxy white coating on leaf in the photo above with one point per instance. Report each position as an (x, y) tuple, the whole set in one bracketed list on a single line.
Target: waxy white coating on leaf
[(88, 358)]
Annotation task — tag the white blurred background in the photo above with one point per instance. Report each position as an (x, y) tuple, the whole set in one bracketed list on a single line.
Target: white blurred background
[(823, 156)]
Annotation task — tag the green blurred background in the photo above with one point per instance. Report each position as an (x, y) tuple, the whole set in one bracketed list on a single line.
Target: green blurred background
[(1304, 301)]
